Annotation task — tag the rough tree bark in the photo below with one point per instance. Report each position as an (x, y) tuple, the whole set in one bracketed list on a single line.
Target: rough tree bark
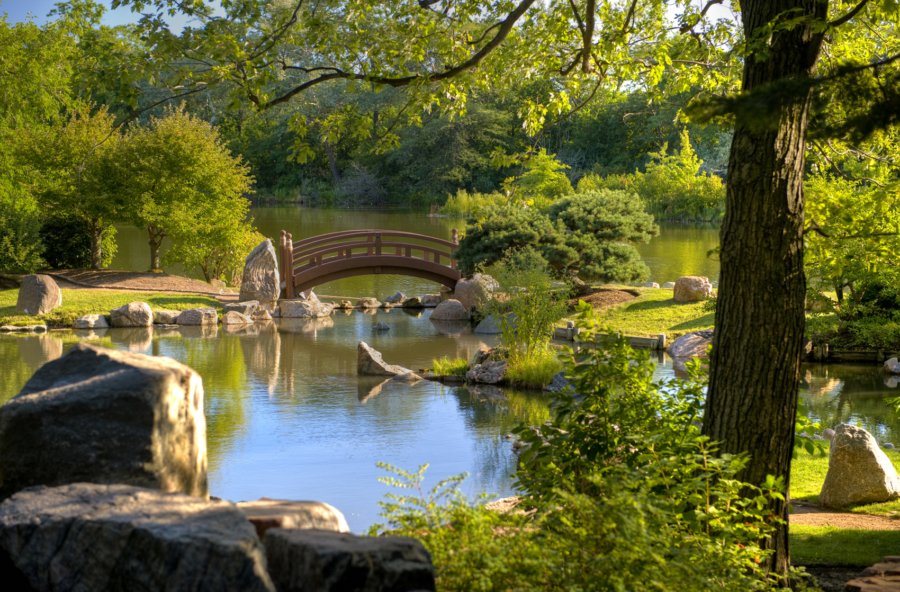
[(157, 235), (335, 173), (755, 363), (96, 231)]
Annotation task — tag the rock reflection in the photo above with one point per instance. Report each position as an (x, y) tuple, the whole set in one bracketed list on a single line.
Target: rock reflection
[(135, 339), (262, 354), (241, 330), (370, 386), (413, 312), (37, 350), (89, 334), (487, 392), (452, 328), (305, 326), (198, 331)]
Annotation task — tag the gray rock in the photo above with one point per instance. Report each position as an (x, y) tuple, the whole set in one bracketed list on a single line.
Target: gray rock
[(102, 538), (217, 283), (398, 298), (233, 317), (691, 345), (410, 377), (166, 317), (669, 286), (324, 561), (262, 316), (818, 437), (888, 446), (484, 354), (345, 304), (260, 280), (367, 303), (488, 373), (133, 314), (309, 295), (304, 309), (382, 327), (651, 285), (198, 316), (475, 292), (491, 325), (23, 329), (450, 310), (431, 300), (413, 302), (245, 308), (99, 415), (558, 384), (90, 321), (858, 470), (38, 295), (266, 513), (892, 366), (370, 363), (828, 433)]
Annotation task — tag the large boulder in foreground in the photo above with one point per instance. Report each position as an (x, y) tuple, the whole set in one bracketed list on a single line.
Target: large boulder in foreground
[(101, 538), (260, 280), (692, 345), (304, 309), (691, 288), (324, 561), (859, 472), (370, 363), (450, 310), (38, 294), (267, 513), (474, 293), (99, 415), (133, 314)]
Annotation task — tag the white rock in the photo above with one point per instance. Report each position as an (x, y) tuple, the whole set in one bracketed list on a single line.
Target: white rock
[(692, 345), (133, 314), (233, 317), (91, 321), (370, 363), (260, 280), (304, 309)]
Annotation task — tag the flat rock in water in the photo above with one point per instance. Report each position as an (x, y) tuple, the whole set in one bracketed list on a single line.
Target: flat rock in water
[(321, 560), (245, 308), (23, 329), (370, 363), (488, 373), (692, 345), (133, 314), (260, 280), (266, 513), (38, 295), (304, 309), (431, 300), (410, 377), (692, 289), (101, 538), (198, 316), (166, 317), (398, 298), (859, 472), (367, 303), (233, 317), (413, 302), (90, 321), (99, 415), (450, 310), (382, 327), (892, 366)]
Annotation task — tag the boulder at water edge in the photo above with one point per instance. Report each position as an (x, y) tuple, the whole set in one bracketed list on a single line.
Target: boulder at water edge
[(101, 538), (859, 472), (476, 291), (262, 315), (90, 321), (260, 280), (245, 308), (198, 316), (370, 363), (99, 415), (367, 303), (892, 366), (133, 314), (304, 309), (488, 373), (450, 310), (431, 300), (414, 302), (166, 317), (233, 317), (692, 289), (267, 513), (398, 298), (308, 295), (692, 345), (324, 561), (38, 294)]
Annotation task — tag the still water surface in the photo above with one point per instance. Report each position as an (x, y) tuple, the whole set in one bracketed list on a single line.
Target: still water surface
[(288, 416)]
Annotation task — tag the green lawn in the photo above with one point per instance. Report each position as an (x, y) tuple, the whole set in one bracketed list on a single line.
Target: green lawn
[(827, 545), (81, 302), (655, 312), (808, 474)]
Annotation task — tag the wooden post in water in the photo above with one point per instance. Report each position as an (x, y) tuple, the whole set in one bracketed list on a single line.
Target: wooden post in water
[(661, 341), (289, 270)]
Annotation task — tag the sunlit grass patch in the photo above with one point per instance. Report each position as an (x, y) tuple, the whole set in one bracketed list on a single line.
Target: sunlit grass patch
[(81, 302), (533, 369), (450, 366), (654, 312)]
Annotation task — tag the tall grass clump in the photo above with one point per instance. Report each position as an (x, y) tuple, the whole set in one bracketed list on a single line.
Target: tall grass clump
[(467, 204), (450, 366)]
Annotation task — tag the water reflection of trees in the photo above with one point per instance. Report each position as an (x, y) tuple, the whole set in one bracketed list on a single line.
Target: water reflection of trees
[(845, 393)]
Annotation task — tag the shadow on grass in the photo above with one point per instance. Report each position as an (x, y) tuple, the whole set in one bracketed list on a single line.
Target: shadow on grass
[(811, 545)]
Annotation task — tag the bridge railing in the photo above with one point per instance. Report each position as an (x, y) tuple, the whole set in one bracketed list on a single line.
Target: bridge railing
[(303, 255)]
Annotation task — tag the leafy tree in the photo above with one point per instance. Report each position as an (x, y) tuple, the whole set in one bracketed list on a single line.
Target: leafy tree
[(590, 235), (543, 179), (175, 173), (67, 242), (20, 242)]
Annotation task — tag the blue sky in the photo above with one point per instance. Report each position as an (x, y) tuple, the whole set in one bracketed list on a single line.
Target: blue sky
[(18, 11)]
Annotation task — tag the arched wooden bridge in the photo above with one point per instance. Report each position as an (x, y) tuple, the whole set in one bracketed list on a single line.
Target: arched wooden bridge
[(313, 261)]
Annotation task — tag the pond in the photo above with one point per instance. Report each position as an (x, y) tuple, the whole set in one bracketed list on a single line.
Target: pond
[(680, 249)]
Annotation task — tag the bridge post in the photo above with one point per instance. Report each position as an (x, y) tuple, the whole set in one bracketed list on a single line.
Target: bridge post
[(289, 270), (282, 273), (455, 240)]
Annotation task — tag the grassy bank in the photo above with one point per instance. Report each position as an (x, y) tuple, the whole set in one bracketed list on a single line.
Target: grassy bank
[(81, 302), (827, 545)]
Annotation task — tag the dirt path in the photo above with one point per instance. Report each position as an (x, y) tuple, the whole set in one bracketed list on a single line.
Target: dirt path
[(811, 515)]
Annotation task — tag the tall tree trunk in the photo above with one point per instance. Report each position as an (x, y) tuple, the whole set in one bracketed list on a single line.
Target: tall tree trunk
[(755, 363), (96, 244), (335, 173), (157, 235)]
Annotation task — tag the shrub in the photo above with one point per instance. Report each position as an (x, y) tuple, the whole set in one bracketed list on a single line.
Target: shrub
[(67, 242), (543, 180), (468, 204), (534, 369), (20, 241)]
